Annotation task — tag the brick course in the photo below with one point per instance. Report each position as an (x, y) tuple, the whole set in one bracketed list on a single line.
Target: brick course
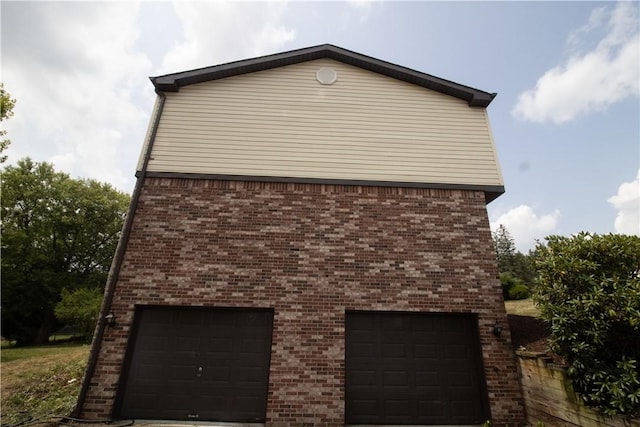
[(310, 251)]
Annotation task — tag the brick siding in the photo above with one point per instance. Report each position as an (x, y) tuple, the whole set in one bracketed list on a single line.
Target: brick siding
[(310, 251)]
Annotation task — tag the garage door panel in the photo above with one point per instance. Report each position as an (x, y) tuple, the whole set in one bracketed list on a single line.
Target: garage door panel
[(206, 364), (430, 394), (397, 408), (362, 349), (423, 324), (458, 365), (215, 400), (453, 325), (364, 378), (427, 378), (394, 323), (427, 346), (153, 343), (181, 371), (145, 402), (395, 378), (247, 401), (218, 345), (457, 351), (215, 373), (176, 400), (361, 335), (463, 379), (395, 349), (415, 368), (248, 375), (187, 342), (153, 319), (367, 407), (252, 345), (463, 409), (431, 409), (219, 318)]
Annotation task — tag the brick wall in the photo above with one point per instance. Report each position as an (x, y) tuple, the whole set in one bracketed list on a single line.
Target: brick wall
[(311, 252)]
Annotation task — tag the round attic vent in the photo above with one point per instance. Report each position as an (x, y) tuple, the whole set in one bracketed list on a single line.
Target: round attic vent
[(326, 76)]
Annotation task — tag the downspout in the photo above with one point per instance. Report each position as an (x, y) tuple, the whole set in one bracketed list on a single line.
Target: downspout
[(114, 271)]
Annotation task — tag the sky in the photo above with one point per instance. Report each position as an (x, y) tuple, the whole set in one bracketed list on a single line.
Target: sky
[(566, 121)]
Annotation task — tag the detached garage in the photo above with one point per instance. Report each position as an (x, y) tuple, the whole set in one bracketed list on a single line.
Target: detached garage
[(308, 244)]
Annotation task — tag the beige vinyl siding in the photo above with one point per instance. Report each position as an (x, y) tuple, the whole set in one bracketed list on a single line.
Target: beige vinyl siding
[(283, 123)]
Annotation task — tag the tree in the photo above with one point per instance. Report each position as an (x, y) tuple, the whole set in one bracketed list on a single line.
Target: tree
[(589, 291), (80, 309), (505, 248), (515, 267), (57, 233), (6, 111)]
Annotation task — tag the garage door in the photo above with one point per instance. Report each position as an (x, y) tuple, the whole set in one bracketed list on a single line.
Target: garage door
[(413, 368), (197, 364)]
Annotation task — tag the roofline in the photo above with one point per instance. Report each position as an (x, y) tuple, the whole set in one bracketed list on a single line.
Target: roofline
[(173, 82)]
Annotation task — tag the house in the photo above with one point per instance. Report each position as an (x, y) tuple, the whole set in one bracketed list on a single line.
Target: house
[(308, 244)]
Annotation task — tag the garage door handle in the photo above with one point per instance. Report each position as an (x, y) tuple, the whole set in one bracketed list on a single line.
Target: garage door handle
[(199, 371)]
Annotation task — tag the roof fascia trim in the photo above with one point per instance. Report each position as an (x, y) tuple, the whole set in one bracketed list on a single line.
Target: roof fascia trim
[(173, 82)]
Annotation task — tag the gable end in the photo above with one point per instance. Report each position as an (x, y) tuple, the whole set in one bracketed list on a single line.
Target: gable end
[(173, 82)]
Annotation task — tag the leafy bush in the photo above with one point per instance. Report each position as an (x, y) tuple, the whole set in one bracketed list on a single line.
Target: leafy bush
[(589, 291), (512, 287), (80, 309), (518, 292)]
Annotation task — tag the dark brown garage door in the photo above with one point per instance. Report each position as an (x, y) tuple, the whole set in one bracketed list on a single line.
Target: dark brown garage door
[(413, 368), (197, 364)]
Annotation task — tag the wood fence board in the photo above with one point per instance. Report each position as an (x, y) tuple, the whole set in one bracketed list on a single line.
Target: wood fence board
[(549, 398)]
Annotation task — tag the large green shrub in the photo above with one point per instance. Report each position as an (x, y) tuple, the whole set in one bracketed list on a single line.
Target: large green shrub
[(589, 291), (518, 292), (512, 287)]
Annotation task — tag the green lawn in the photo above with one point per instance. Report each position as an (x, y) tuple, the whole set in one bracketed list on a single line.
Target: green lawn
[(40, 381), (523, 307), (10, 354)]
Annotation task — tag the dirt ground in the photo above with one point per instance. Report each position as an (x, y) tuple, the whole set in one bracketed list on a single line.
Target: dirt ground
[(531, 334)]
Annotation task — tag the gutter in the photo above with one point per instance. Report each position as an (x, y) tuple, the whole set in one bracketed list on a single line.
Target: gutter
[(116, 264)]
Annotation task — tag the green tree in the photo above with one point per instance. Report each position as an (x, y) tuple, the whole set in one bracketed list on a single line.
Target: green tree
[(505, 248), (80, 308), (6, 111), (515, 267), (589, 291), (57, 233)]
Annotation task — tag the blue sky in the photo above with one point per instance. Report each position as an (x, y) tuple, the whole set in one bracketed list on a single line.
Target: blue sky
[(566, 120)]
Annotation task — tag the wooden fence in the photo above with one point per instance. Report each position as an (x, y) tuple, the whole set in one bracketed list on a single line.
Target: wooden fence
[(549, 399)]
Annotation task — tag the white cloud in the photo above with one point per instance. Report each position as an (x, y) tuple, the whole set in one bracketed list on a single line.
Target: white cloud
[(525, 226), (219, 32), (79, 72), (627, 202), (591, 81), (74, 80), (596, 19)]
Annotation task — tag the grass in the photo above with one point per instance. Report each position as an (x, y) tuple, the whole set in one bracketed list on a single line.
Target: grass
[(523, 307), (40, 381)]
